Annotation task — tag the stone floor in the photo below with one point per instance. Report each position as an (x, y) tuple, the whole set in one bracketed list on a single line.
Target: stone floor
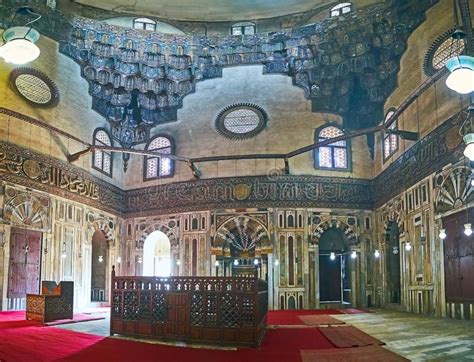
[(417, 338)]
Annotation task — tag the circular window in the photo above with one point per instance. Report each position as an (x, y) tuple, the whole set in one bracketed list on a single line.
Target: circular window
[(241, 121), (442, 49), (34, 86)]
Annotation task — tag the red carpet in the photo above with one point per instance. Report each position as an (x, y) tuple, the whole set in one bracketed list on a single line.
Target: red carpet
[(21, 341), (290, 317), (319, 320)]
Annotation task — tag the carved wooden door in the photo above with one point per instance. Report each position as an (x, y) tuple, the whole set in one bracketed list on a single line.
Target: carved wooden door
[(177, 325), (25, 262)]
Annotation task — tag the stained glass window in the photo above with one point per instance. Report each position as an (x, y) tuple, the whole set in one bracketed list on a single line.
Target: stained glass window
[(390, 141), (156, 166), (449, 48), (334, 155), (340, 9), (145, 24), (102, 160), (243, 29)]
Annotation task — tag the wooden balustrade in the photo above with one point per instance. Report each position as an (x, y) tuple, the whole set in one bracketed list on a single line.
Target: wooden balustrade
[(216, 310)]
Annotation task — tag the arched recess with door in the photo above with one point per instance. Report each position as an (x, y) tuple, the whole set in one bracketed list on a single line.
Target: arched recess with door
[(334, 267)]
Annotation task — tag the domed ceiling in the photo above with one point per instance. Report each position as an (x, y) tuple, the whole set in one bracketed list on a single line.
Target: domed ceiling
[(210, 10)]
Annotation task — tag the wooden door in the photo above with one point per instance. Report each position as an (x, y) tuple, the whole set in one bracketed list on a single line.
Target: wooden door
[(330, 279), (25, 262), (177, 325)]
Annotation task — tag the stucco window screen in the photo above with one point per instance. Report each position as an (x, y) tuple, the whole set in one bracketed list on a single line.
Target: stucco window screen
[(102, 160), (340, 9), (246, 28), (335, 155), (155, 166), (442, 49), (144, 24), (390, 141), (241, 121)]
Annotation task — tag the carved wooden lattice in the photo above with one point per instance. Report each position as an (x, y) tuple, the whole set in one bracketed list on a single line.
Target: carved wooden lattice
[(191, 308)]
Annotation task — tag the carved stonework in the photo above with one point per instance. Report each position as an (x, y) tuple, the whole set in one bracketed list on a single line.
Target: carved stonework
[(283, 191), (171, 232), (31, 169), (244, 233), (453, 189), (424, 158), (347, 224), (26, 209)]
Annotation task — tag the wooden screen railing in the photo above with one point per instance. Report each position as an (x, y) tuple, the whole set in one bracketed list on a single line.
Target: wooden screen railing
[(217, 310)]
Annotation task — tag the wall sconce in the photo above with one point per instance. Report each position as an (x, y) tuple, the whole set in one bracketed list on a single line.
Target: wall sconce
[(216, 264), (255, 262), (442, 234), (467, 229), (236, 262), (395, 250), (407, 246), (101, 258), (140, 260), (332, 256), (119, 259), (277, 262), (178, 262), (354, 254), (377, 253)]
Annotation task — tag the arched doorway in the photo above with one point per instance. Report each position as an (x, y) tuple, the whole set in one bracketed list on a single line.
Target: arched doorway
[(334, 261), (392, 262), (157, 255), (99, 267)]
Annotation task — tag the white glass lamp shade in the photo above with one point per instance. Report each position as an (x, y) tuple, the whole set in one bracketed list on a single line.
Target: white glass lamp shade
[(442, 234), (101, 258), (354, 255), (467, 229), (469, 150), (332, 256), (216, 264), (376, 253), (408, 246), (119, 259), (277, 262), (236, 262), (19, 47), (461, 79), (255, 261)]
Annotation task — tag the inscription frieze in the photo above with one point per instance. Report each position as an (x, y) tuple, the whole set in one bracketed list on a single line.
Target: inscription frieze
[(37, 171)]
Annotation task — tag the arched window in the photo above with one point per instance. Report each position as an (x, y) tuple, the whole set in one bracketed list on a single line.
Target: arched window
[(102, 160), (243, 28), (333, 156), (390, 141), (340, 9), (156, 166), (144, 24)]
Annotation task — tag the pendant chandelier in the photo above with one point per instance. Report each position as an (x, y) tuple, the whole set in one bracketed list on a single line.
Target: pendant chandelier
[(19, 41)]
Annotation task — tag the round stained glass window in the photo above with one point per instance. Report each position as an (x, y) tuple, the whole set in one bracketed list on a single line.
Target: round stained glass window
[(241, 121), (34, 86)]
